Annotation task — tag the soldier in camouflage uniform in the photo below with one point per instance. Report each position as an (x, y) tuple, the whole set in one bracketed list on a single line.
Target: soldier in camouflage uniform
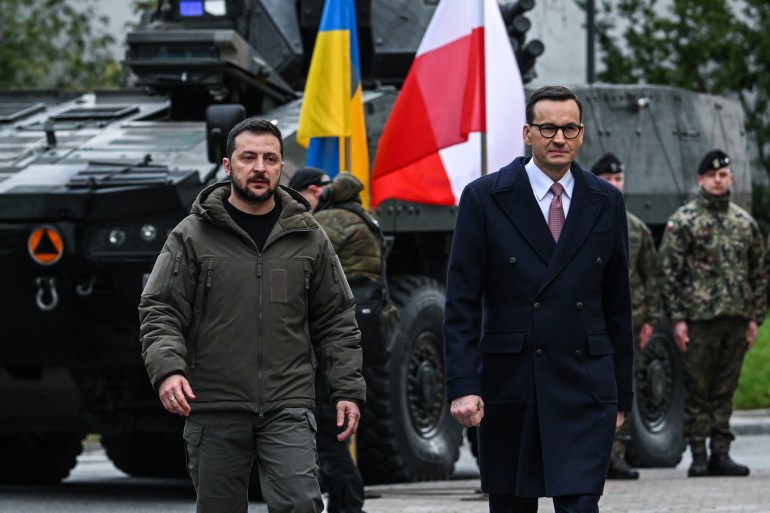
[(644, 274), (360, 252), (714, 289)]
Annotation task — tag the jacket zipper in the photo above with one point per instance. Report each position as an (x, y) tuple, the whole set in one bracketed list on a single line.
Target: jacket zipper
[(260, 391), (204, 308), (174, 275), (313, 360)]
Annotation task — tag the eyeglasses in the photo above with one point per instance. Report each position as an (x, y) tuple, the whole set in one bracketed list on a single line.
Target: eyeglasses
[(549, 131)]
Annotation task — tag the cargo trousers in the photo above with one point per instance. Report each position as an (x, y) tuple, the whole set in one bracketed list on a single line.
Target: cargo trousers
[(220, 447), (712, 368)]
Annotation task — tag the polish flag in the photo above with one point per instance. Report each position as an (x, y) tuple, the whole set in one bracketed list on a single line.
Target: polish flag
[(464, 81)]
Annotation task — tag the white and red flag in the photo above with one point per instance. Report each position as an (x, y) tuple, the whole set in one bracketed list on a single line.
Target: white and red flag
[(464, 82)]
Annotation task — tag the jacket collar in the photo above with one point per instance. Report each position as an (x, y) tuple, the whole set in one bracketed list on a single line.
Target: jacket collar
[(295, 211)]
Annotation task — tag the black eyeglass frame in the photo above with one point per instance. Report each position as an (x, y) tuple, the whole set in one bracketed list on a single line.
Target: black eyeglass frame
[(556, 129)]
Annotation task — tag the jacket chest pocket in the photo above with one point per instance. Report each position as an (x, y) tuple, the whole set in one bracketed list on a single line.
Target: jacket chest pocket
[(286, 280), (279, 285)]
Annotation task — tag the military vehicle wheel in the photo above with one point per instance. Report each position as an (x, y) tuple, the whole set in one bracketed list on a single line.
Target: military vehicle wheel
[(407, 433), (147, 454), (657, 420), (38, 458)]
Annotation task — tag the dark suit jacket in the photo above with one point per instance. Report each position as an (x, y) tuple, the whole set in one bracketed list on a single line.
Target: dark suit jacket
[(541, 331)]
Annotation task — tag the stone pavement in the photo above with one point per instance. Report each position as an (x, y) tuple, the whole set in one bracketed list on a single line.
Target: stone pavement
[(659, 490)]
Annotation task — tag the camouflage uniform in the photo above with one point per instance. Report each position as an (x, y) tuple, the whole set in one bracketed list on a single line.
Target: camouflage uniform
[(357, 247), (644, 275), (711, 258)]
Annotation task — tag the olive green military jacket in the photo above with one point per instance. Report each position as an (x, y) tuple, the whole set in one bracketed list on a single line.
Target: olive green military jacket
[(711, 260), (644, 273), (245, 326)]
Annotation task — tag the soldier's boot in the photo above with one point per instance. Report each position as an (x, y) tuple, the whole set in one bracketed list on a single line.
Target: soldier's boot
[(722, 465), (619, 467), (699, 466)]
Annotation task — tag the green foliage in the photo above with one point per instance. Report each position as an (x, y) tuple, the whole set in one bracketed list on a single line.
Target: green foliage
[(754, 387), (712, 46), (55, 44)]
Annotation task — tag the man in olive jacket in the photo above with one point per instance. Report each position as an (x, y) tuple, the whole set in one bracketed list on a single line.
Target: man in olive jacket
[(245, 297)]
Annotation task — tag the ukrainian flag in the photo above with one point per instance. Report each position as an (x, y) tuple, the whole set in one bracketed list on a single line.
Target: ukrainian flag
[(331, 122)]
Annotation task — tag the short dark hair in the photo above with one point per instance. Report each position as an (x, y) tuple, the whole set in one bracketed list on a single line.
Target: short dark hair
[(256, 126), (556, 93)]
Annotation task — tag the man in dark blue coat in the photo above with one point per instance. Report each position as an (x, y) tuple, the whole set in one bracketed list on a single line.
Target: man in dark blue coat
[(537, 329)]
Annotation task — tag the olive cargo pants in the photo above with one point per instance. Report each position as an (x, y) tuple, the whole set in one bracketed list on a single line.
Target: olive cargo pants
[(220, 447)]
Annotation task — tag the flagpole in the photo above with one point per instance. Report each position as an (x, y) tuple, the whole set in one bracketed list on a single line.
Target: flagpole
[(345, 155), (484, 71), (483, 153)]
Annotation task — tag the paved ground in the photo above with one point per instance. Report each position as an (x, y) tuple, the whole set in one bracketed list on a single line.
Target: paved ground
[(657, 491), (96, 486)]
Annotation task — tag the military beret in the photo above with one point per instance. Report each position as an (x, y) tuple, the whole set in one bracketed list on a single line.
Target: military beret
[(715, 159), (305, 177), (607, 164)]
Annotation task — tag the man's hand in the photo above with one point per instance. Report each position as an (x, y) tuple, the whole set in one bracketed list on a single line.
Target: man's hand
[(680, 335), (644, 334), (751, 333), (619, 420), (347, 410), (173, 393), (468, 410)]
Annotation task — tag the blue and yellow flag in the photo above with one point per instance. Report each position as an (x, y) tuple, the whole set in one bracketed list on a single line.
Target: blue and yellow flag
[(331, 122)]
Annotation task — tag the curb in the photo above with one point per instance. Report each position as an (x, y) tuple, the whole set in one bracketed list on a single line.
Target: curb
[(751, 422)]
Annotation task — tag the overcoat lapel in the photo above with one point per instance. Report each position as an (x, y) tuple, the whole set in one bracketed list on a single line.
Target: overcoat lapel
[(516, 199), (586, 204)]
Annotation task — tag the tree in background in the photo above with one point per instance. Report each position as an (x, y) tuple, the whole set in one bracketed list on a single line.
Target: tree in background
[(55, 44), (711, 46)]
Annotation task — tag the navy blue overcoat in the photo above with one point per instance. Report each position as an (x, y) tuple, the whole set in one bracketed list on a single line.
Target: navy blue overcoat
[(541, 331)]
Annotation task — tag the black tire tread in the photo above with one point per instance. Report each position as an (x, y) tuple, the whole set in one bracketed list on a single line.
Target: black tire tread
[(381, 456)]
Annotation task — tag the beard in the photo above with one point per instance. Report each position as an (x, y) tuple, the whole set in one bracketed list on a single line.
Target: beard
[(246, 194)]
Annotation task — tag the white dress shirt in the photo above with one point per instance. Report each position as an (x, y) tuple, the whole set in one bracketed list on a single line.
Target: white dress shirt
[(541, 186)]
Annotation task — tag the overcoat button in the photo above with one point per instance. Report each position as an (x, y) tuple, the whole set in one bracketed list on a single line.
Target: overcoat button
[(578, 353), (599, 261), (512, 260), (539, 352), (536, 306), (579, 305)]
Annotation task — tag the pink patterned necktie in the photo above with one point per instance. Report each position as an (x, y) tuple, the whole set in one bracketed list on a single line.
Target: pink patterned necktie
[(556, 212)]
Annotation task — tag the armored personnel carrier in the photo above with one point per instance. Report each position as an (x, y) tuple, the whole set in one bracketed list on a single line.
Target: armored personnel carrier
[(90, 185)]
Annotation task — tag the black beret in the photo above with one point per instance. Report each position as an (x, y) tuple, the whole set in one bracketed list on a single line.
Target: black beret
[(607, 164), (715, 159), (305, 177)]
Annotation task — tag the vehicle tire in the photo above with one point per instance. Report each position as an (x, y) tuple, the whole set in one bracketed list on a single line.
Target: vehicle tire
[(147, 454), (657, 417), (38, 458), (407, 433)]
